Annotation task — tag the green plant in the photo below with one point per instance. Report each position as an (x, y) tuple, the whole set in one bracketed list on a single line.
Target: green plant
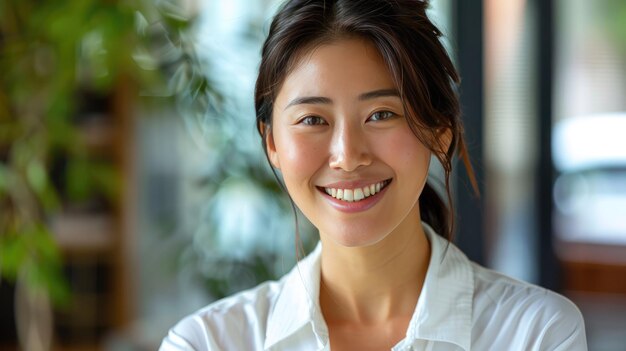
[(52, 50), (49, 52)]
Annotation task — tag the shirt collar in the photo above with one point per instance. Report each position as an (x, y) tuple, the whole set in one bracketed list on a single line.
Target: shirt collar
[(443, 312), (444, 309), (297, 305)]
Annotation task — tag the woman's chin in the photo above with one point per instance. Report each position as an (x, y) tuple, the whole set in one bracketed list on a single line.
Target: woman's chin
[(354, 239)]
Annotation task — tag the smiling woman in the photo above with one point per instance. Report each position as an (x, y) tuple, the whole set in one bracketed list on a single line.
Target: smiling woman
[(338, 123), (352, 99)]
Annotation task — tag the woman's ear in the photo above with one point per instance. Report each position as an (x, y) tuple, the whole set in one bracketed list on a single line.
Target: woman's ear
[(270, 146)]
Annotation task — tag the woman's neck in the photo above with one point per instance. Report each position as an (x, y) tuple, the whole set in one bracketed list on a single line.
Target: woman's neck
[(377, 283)]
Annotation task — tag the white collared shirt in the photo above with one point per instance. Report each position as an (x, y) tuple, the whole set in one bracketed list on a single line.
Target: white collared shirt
[(462, 306)]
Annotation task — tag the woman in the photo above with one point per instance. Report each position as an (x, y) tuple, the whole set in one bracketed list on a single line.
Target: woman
[(352, 99)]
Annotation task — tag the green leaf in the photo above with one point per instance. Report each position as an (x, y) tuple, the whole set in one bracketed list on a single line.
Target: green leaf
[(4, 179), (36, 175), (32, 253), (141, 24), (14, 250), (49, 265)]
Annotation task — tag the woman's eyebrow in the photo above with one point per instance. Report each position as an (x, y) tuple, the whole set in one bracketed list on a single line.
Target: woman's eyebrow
[(324, 100), (379, 93), (309, 100)]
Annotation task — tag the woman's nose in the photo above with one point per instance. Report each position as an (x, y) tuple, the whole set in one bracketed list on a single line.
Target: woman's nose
[(349, 149)]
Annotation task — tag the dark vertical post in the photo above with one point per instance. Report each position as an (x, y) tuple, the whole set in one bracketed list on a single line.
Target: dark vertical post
[(468, 36), (548, 265)]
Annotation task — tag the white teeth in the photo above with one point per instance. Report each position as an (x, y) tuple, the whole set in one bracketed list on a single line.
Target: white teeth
[(348, 195), (357, 194)]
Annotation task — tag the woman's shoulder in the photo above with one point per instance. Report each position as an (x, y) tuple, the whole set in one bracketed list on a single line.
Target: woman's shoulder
[(238, 319), (258, 298), (495, 287), (509, 306), (249, 319)]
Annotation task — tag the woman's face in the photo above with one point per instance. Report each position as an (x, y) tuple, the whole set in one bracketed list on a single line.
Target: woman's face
[(347, 155)]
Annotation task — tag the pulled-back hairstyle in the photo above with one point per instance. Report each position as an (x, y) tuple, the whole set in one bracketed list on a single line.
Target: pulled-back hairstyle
[(419, 65)]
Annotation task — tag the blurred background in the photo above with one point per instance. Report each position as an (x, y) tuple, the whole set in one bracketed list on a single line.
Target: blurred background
[(133, 188)]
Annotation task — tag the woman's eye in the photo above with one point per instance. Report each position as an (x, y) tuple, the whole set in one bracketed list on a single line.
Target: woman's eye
[(381, 116), (312, 121)]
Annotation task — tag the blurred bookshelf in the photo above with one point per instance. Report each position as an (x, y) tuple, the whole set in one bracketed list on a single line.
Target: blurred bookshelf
[(91, 232)]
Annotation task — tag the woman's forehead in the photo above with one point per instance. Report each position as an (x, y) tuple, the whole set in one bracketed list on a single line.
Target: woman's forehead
[(343, 66)]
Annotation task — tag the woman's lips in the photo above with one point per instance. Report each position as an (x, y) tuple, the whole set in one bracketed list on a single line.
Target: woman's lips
[(354, 192), (355, 198)]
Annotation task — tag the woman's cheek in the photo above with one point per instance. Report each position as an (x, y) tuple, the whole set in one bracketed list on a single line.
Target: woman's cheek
[(304, 155), (405, 148), (298, 150)]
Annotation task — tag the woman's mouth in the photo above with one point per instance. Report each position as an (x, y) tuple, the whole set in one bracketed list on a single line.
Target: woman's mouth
[(356, 194)]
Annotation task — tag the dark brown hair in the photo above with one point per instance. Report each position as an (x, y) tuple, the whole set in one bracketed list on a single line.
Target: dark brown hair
[(418, 62)]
